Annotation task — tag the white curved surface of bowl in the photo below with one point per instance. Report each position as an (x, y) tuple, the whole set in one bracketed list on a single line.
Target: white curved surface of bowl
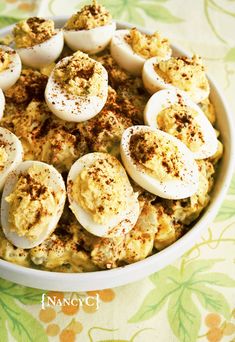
[(133, 272)]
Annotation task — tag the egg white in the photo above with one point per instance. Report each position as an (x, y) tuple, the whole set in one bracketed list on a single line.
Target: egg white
[(170, 189), (154, 82), (55, 181), (90, 41), (2, 103), (121, 223), (124, 55), (44, 53), (71, 107), (9, 76), (166, 98), (14, 151)]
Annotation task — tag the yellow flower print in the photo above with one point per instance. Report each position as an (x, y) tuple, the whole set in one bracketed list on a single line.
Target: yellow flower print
[(217, 328), (69, 333), (26, 7), (52, 330)]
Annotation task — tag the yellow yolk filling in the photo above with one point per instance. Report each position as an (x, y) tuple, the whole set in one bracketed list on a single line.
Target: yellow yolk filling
[(80, 75), (156, 155), (179, 120), (148, 45), (33, 31), (5, 60), (100, 189), (89, 17), (187, 74)]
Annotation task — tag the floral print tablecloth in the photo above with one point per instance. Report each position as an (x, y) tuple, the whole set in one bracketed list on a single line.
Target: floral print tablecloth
[(190, 300)]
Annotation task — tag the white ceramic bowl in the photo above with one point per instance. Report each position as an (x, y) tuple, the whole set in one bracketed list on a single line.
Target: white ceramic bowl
[(133, 272)]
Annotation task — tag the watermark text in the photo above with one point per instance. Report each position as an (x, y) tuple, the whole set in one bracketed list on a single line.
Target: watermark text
[(74, 300)]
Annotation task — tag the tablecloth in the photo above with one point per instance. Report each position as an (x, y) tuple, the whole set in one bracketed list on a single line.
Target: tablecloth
[(192, 299)]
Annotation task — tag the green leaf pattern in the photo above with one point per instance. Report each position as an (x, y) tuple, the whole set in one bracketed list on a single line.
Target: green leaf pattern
[(184, 316), (232, 185), (149, 308), (3, 328), (175, 289), (226, 211), (210, 299), (159, 12), (5, 21), (230, 56), (22, 326)]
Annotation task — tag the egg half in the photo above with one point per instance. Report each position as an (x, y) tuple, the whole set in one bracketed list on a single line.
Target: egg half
[(44, 53), (72, 107), (121, 221), (125, 56), (54, 182), (10, 75), (164, 167), (153, 81), (90, 41), (11, 153), (195, 131)]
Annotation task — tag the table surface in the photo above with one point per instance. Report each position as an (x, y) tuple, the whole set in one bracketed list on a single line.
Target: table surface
[(199, 303)]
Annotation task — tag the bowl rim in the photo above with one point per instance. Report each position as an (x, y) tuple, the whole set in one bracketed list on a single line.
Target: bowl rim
[(132, 272)]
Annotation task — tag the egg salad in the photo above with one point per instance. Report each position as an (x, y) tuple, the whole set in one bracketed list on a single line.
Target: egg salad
[(108, 145)]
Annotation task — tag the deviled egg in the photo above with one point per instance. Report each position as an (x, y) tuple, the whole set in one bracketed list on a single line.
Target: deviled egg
[(32, 202), (77, 88), (159, 162), (11, 153), (186, 74), (101, 196), (175, 113), (37, 41), (131, 48), (89, 30), (10, 67)]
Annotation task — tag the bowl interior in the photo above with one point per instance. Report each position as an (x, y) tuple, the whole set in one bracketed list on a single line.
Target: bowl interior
[(123, 275)]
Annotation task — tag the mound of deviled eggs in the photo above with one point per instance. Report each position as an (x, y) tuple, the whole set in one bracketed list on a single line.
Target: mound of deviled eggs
[(158, 156)]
